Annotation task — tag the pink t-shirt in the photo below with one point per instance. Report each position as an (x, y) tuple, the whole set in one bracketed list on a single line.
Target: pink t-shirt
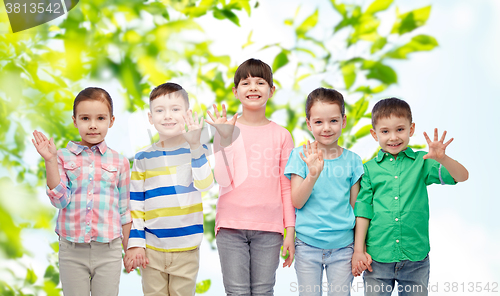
[(254, 193)]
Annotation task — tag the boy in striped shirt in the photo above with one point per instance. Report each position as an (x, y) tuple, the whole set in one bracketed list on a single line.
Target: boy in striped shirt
[(165, 193)]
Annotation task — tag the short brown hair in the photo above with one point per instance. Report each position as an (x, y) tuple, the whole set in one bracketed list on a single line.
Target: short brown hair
[(253, 68), (391, 106), (93, 93), (168, 88), (326, 95)]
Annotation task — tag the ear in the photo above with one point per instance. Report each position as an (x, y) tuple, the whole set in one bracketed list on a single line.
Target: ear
[(308, 125), (150, 117), (374, 134), (412, 129), (112, 121), (74, 121), (235, 92), (271, 91), (344, 121)]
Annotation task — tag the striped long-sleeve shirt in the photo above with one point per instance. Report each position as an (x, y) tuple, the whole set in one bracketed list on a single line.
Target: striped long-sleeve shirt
[(93, 195), (165, 197)]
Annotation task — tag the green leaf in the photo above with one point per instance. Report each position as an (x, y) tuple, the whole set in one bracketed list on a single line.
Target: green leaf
[(340, 8), (362, 132), (55, 246), (280, 60), (51, 274), (380, 72), (203, 286), (307, 25), (409, 21), (417, 43), (226, 14), (249, 40), (30, 277), (349, 73), (378, 44), (378, 5)]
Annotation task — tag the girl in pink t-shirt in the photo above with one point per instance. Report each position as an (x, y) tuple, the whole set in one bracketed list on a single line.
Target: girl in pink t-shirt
[(254, 205)]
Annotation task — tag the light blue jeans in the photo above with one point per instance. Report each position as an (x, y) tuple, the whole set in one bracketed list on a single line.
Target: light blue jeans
[(412, 277), (310, 263), (249, 259)]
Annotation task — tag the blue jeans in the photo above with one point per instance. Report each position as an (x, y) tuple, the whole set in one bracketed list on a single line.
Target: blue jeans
[(412, 277), (310, 262), (249, 259)]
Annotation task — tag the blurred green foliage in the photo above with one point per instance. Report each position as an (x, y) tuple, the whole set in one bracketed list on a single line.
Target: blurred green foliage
[(142, 44)]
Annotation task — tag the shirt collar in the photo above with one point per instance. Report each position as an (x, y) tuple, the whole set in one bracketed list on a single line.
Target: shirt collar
[(77, 148), (408, 152)]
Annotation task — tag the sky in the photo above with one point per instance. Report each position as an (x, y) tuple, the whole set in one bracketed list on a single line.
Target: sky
[(454, 88)]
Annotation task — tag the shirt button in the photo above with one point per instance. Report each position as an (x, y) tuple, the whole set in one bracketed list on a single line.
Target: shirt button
[(88, 223), (91, 179), (394, 177), (396, 197), (397, 240), (89, 210), (91, 166), (397, 219), (392, 159)]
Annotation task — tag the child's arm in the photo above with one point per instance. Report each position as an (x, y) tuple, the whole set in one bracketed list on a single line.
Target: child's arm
[(354, 193), (360, 259), (224, 166), (437, 151), (47, 149), (289, 245), (136, 245), (124, 200), (302, 188)]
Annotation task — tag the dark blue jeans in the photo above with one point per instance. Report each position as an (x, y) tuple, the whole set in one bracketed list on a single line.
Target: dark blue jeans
[(412, 278)]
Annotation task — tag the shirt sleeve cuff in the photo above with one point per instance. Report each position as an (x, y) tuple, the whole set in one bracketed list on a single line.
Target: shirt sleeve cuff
[(198, 152), (363, 210), (126, 218), (57, 192), (445, 177)]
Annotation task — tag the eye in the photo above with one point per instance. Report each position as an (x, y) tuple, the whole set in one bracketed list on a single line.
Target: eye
[(400, 129), (85, 118), (318, 122), (176, 109), (384, 132), (334, 120), (102, 118), (159, 110)]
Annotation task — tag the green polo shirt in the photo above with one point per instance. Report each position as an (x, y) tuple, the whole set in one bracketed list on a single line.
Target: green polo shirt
[(394, 196)]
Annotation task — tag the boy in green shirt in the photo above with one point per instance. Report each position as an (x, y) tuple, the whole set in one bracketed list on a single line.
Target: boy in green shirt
[(392, 208)]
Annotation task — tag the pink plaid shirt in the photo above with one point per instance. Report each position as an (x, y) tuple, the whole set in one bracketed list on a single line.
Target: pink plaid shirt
[(93, 195)]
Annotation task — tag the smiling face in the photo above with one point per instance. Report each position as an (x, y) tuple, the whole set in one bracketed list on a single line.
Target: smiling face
[(92, 118), (253, 92), (166, 115), (326, 123), (393, 133)]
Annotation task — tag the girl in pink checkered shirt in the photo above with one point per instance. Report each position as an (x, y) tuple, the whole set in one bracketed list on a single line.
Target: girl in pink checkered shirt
[(89, 183)]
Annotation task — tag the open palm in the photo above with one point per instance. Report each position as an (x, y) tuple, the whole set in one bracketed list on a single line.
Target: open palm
[(194, 127), (45, 147), (223, 126), (437, 148), (313, 158)]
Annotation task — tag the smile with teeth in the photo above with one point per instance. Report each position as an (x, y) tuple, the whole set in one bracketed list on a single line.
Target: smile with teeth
[(169, 124), (253, 97), (394, 145)]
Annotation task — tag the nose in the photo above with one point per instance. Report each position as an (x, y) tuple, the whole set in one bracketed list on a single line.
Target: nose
[(394, 136), (93, 124), (253, 86)]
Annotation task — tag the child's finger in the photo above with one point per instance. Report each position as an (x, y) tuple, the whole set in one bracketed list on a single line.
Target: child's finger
[(427, 138), (435, 134), (211, 116), (302, 156), (443, 136), (211, 123), (216, 111), (235, 117), (224, 110), (448, 143), (304, 148)]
